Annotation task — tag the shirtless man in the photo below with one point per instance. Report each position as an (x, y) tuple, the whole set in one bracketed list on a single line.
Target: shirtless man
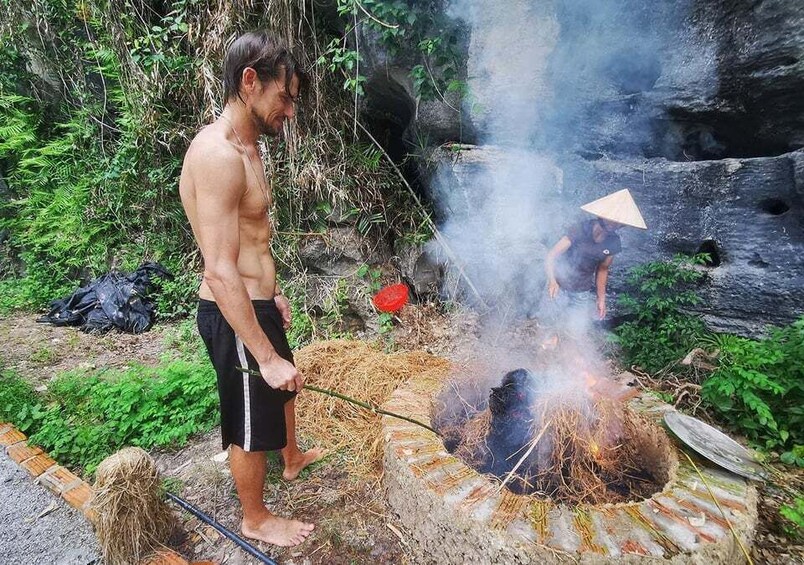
[(242, 315)]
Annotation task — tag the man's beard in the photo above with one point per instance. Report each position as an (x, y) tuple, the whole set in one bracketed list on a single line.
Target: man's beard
[(264, 127)]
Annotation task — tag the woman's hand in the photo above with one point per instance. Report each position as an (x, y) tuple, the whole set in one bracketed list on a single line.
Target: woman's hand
[(553, 288), (601, 308)]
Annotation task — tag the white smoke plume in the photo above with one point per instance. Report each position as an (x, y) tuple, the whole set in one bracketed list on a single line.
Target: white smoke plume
[(546, 78)]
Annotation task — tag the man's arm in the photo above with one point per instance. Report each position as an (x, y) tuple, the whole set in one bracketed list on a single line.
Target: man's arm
[(601, 278), (549, 264), (220, 182)]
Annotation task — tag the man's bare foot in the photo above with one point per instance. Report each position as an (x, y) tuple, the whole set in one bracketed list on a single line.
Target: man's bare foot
[(278, 531), (295, 465)]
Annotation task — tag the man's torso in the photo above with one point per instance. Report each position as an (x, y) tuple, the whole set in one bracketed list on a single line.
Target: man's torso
[(254, 262)]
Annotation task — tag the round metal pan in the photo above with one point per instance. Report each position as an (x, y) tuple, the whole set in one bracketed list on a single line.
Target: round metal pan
[(714, 445)]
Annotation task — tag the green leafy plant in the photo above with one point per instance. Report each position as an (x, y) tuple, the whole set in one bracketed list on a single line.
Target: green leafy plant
[(16, 395), (93, 172), (302, 328), (84, 418), (660, 331), (794, 457), (374, 276), (386, 322), (335, 306), (173, 485), (339, 57), (794, 513), (177, 297), (44, 355), (402, 27), (758, 386)]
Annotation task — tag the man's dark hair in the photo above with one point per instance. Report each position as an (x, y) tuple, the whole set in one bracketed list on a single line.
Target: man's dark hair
[(266, 54)]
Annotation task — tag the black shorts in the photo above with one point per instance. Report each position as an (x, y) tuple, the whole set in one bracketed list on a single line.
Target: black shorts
[(252, 413)]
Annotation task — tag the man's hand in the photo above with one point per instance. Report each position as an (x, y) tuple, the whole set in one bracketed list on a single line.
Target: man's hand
[(601, 308), (283, 306), (552, 288), (281, 374)]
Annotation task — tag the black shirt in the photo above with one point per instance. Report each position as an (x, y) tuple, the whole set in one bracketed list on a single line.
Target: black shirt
[(575, 269)]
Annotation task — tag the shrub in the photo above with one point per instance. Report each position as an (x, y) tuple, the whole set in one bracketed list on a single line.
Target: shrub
[(84, 418), (758, 386), (15, 396), (659, 330)]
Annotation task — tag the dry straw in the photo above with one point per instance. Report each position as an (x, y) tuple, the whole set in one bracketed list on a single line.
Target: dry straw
[(613, 456), (473, 447), (132, 519), (361, 371)]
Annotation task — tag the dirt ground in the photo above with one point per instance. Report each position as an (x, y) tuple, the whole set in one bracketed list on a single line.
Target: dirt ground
[(353, 523), (41, 351)]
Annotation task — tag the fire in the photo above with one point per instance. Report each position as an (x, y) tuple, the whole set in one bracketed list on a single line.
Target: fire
[(590, 379), (592, 383)]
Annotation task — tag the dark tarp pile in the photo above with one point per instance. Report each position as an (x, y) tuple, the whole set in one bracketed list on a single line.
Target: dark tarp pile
[(115, 300)]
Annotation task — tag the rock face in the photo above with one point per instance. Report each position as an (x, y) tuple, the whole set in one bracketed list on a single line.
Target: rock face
[(685, 80), (697, 107), (340, 252), (418, 268), (747, 213), (696, 80), (758, 107), (331, 259)]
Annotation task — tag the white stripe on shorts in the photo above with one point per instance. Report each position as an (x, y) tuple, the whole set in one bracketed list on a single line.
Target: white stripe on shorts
[(241, 354)]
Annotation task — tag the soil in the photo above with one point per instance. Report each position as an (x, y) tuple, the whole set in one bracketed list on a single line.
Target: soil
[(41, 351), (353, 523)]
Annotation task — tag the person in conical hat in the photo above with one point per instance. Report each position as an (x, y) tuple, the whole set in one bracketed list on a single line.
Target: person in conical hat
[(579, 262)]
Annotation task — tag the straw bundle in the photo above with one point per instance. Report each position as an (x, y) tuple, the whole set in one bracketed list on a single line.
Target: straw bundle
[(133, 520), (361, 371)]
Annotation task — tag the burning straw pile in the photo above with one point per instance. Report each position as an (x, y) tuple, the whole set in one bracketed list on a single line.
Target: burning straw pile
[(358, 370), (589, 449)]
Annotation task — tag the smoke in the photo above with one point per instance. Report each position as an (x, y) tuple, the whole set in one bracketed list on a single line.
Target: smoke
[(550, 82)]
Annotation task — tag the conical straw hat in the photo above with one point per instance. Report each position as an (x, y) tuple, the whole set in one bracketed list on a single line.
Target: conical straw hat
[(618, 207)]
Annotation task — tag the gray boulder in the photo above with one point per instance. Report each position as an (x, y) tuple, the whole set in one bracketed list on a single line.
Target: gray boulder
[(420, 269), (747, 213), (333, 287)]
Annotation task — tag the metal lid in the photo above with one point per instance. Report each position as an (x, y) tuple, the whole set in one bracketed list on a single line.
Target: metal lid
[(715, 446)]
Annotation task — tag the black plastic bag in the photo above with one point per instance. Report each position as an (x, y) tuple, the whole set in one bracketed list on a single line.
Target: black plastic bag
[(114, 300)]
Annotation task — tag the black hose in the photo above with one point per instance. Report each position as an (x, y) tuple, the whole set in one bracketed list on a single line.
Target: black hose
[(228, 533)]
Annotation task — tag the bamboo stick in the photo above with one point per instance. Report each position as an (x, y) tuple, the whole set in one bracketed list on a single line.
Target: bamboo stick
[(525, 456), (368, 406)]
